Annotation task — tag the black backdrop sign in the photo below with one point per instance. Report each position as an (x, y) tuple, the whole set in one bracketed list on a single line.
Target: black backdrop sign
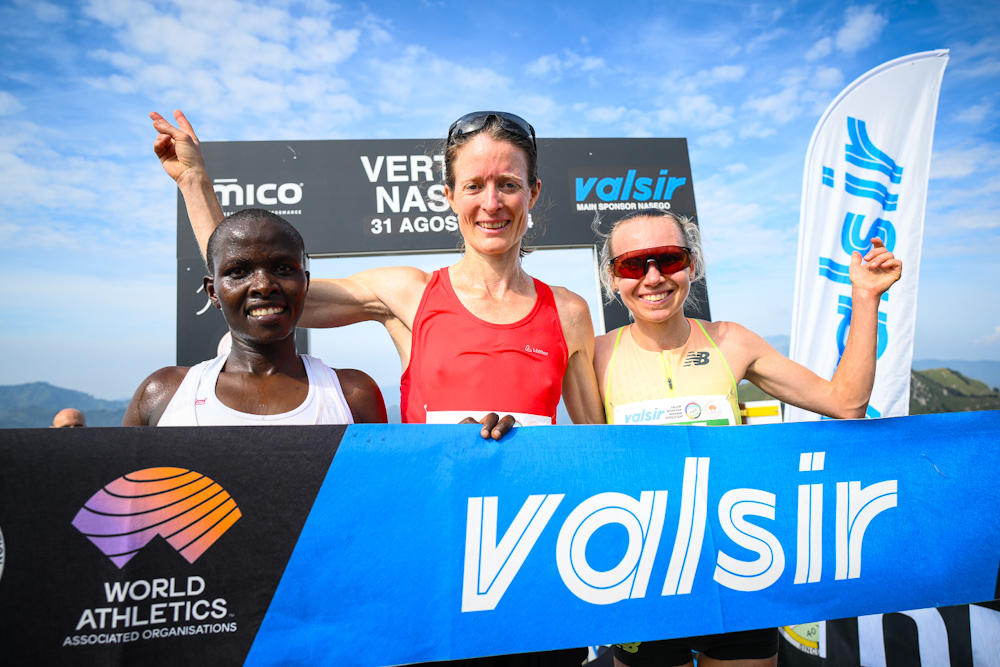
[(384, 197)]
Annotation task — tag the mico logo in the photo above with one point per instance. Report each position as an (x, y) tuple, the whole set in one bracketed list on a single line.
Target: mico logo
[(187, 509), (267, 194)]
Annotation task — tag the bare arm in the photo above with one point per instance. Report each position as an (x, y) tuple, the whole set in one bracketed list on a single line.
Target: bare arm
[(377, 294), (389, 295), (363, 397), (580, 391), (180, 154), (847, 394), (152, 396)]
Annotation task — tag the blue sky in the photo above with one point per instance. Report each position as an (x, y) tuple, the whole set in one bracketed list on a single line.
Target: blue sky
[(87, 218)]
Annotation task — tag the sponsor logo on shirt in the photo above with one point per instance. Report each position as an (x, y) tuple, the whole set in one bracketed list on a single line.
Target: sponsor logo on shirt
[(696, 359), (535, 350)]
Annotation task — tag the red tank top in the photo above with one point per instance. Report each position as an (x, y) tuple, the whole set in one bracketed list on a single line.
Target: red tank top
[(460, 363)]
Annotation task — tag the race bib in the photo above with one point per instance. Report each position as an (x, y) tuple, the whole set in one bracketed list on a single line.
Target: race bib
[(455, 416), (681, 411)]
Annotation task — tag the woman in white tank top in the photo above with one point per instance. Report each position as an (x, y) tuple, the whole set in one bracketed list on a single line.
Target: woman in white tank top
[(258, 280)]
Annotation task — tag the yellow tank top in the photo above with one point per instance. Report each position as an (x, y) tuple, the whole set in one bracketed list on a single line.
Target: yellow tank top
[(692, 384)]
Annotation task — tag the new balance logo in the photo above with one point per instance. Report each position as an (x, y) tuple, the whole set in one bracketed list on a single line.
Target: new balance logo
[(187, 509), (696, 359)]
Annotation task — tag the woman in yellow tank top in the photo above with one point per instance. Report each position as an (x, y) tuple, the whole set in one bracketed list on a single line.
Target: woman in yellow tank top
[(665, 368)]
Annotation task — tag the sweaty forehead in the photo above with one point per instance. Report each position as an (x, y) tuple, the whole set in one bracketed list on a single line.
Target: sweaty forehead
[(257, 235), (642, 233)]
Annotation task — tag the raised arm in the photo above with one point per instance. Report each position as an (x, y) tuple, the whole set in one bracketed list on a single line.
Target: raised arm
[(180, 155), (580, 392), (389, 295), (847, 394)]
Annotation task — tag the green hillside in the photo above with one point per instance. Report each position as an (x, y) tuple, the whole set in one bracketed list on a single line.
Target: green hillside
[(931, 391), (945, 390), (34, 405)]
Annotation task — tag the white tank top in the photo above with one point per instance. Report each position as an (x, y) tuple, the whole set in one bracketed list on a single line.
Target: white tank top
[(195, 402)]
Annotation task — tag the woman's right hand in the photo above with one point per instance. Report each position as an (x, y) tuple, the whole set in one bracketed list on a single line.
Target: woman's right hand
[(177, 147)]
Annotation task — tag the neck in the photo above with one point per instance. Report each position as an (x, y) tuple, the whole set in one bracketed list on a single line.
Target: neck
[(264, 359), (492, 273), (667, 335)]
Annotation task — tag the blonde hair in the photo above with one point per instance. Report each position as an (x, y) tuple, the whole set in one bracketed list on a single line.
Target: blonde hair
[(687, 226)]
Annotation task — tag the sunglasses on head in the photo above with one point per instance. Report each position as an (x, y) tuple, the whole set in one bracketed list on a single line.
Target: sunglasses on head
[(668, 259), (475, 121)]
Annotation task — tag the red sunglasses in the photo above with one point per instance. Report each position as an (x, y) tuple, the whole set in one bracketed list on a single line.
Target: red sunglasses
[(668, 259)]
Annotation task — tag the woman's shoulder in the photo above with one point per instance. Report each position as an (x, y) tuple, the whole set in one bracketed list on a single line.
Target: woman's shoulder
[(153, 395), (168, 378), (568, 302), (723, 329), (735, 339), (608, 338), (574, 313)]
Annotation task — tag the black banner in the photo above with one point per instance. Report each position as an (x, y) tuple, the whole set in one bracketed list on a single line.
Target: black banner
[(65, 601), (386, 197)]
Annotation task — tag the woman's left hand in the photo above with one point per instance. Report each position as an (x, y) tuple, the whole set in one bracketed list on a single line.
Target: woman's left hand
[(493, 425), (880, 270)]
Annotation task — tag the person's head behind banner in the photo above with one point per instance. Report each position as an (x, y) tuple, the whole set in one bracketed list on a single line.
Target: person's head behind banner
[(688, 232), (257, 276), (69, 418)]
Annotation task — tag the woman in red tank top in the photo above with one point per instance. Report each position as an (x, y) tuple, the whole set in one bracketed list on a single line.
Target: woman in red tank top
[(475, 338)]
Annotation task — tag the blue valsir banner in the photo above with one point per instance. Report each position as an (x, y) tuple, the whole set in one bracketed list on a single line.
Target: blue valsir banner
[(389, 545), (432, 545)]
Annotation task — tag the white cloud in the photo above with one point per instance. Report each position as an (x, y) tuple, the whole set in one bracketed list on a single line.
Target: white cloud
[(736, 169), (726, 73), (828, 77), (782, 106), (990, 338), (764, 39), (975, 114), (606, 114), (961, 162), (697, 111), (46, 12), (225, 57), (718, 139), (976, 60), (552, 66), (820, 49), (9, 104), (756, 131), (862, 27), (544, 66)]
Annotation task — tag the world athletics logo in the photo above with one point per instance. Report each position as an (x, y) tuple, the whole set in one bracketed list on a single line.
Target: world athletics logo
[(187, 509)]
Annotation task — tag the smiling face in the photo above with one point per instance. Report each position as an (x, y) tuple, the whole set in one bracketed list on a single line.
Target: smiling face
[(491, 195), (656, 297), (259, 281)]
